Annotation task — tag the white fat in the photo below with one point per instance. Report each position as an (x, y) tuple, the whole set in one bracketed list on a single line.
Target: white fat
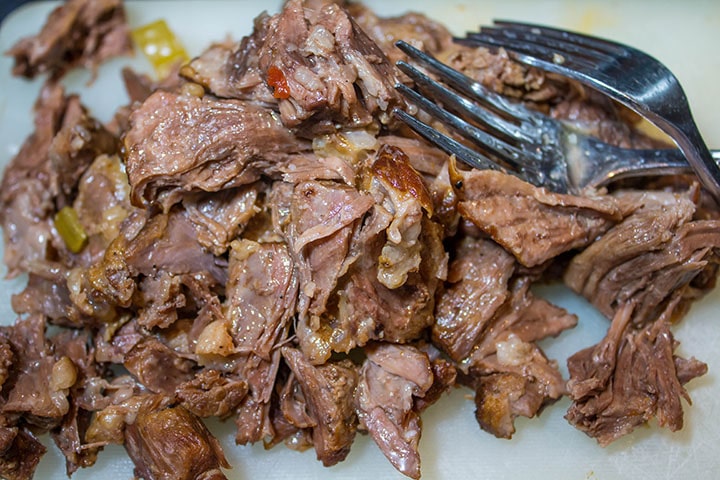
[(513, 351)]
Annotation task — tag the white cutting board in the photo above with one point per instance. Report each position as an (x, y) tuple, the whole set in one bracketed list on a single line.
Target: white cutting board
[(685, 35)]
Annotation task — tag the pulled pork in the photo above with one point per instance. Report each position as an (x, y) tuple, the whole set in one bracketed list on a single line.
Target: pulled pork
[(263, 244)]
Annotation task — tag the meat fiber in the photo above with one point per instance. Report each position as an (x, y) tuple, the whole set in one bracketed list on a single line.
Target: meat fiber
[(77, 33)]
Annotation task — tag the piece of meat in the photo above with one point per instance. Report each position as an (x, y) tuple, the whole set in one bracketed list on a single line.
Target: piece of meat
[(49, 297), (631, 376), (102, 203), (157, 367), (650, 258), (77, 33), (328, 390), (229, 69), (173, 443), (498, 72), (391, 378), (324, 70), (20, 453), (214, 145), (444, 377), (412, 27), (80, 140), (533, 224), (399, 188), (510, 374), (477, 288), (28, 390), (253, 421), (323, 217), (69, 438), (518, 380), (158, 299), (261, 295), (219, 218), (26, 202), (210, 394), (77, 371)]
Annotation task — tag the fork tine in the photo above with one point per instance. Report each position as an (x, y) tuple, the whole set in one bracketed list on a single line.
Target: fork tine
[(464, 107), (448, 145), (466, 85), (498, 149), (554, 43), (596, 43), (526, 50)]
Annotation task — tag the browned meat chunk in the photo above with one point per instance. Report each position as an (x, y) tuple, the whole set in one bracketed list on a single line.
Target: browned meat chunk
[(211, 394), (509, 372), (479, 276), (631, 376), (77, 33), (20, 453), (650, 258), (173, 443), (535, 225), (328, 393)]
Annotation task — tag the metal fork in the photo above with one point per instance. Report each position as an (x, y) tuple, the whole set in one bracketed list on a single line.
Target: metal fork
[(538, 149), (626, 74)]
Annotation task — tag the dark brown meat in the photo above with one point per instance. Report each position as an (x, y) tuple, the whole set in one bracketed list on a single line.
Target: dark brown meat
[(631, 376), (213, 144), (328, 390), (20, 453), (391, 378), (77, 33), (173, 443), (533, 224), (650, 258)]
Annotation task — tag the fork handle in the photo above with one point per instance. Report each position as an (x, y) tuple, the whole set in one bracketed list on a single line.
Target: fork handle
[(612, 163)]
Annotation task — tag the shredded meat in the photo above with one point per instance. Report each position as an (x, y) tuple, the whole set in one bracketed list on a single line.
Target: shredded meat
[(263, 244), (77, 33)]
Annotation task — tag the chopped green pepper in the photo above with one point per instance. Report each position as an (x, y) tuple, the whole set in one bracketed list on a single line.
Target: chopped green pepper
[(70, 229), (160, 46)]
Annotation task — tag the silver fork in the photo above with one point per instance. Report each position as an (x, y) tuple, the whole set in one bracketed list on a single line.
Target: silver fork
[(626, 74), (538, 149)]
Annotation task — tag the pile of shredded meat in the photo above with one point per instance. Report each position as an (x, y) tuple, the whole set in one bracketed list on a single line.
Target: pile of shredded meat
[(264, 244)]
